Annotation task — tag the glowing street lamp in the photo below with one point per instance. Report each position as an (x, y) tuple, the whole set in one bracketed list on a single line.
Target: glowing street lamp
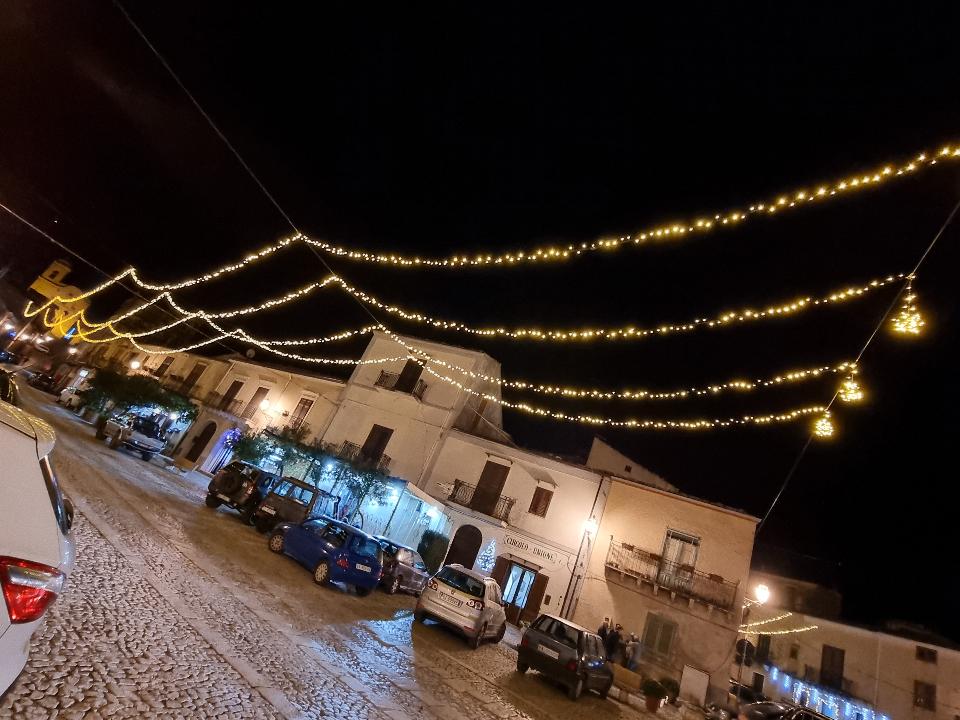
[(761, 594), (134, 364), (264, 404), (590, 527), (72, 351)]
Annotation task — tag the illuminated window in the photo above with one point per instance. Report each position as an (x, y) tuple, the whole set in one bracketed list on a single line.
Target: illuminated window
[(925, 654)]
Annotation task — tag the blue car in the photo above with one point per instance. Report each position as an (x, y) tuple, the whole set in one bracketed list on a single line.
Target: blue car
[(334, 551)]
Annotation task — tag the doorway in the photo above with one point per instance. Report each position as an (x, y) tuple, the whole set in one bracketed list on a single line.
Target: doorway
[(465, 546), (523, 589), (200, 441)]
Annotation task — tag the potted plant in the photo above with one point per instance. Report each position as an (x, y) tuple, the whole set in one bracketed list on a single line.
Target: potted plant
[(672, 687), (653, 693)]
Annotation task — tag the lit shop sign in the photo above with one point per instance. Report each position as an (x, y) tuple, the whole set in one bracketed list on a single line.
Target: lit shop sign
[(525, 546)]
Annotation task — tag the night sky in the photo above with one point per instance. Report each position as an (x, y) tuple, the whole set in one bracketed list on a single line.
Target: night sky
[(440, 130)]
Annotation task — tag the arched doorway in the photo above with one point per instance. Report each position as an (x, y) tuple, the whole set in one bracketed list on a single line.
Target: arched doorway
[(222, 451), (465, 546), (200, 441)]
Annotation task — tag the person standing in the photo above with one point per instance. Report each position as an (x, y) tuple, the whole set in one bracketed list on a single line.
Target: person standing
[(612, 643), (604, 630)]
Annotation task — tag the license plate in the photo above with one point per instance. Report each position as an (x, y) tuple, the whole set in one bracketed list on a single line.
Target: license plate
[(269, 511), (223, 497), (548, 652), (450, 600), (365, 568)]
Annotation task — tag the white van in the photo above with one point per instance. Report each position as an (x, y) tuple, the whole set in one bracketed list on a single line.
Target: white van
[(36, 546)]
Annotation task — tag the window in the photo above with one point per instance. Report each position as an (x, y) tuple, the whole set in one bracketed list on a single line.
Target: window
[(628, 468), (162, 368), (258, 397), (763, 648), (565, 635), (53, 274), (461, 581), (925, 654), (541, 501), (300, 412), (407, 381), (366, 546), (658, 635), (489, 486), (418, 562), (924, 695), (335, 535)]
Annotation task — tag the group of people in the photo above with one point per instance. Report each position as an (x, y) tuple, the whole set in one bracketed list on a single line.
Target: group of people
[(621, 647)]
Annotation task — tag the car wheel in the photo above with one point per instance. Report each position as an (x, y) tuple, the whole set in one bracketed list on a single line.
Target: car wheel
[(522, 667), (275, 542), (321, 574), (606, 691), (478, 638), (212, 501), (393, 585), (246, 514), (263, 524), (361, 591), (501, 632), (575, 690), (146, 456), (419, 616)]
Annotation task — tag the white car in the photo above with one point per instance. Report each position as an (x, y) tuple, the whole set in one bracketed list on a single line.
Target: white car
[(142, 435), (36, 545), (466, 601), (70, 397)]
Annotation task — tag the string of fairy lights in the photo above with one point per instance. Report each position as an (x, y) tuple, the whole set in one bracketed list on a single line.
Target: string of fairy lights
[(813, 194), (908, 321)]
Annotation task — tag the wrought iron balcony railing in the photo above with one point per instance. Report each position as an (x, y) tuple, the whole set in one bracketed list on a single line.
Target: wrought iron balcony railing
[(218, 402), (683, 580), (388, 381), (466, 494), (353, 454)]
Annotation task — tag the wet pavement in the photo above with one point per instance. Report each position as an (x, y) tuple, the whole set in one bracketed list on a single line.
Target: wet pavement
[(177, 610)]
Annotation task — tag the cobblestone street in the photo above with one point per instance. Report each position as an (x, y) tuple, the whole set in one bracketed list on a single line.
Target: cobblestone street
[(176, 610)]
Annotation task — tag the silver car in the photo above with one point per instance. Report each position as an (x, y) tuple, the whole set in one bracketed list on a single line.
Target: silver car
[(466, 601)]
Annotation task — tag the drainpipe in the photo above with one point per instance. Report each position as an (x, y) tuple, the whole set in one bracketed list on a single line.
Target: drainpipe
[(566, 609), (876, 687)]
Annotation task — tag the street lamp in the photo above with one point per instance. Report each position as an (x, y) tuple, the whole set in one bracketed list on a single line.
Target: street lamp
[(72, 351), (134, 364), (264, 404), (761, 594), (8, 326), (590, 527)]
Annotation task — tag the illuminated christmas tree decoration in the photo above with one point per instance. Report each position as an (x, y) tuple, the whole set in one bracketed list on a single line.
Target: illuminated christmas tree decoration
[(823, 427), (850, 390), (908, 321)]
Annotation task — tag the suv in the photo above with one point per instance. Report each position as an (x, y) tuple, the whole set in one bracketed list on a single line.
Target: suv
[(240, 486), (292, 500), (566, 652), (466, 601), (333, 551), (403, 568), (36, 543), (142, 435)]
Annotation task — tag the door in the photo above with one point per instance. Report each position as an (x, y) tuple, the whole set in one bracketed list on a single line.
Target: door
[(194, 375), (407, 382), (376, 442), (199, 442), (489, 486), (465, 546), (831, 667), (255, 401), (300, 412), (231, 394), (677, 560), (522, 593)]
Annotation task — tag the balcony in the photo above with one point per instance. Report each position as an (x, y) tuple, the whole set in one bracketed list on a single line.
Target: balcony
[(178, 385), (464, 494), (388, 381), (682, 580), (218, 402), (353, 454)]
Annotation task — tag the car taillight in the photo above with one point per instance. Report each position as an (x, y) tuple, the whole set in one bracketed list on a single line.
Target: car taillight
[(475, 604), (343, 562), (524, 641), (572, 665), (434, 585), (28, 588)]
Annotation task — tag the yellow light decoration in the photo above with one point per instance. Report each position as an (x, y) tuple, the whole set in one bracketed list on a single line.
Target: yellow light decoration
[(908, 321), (850, 390), (791, 631), (823, 427), (629, 332), (668, 231), (783, 616)]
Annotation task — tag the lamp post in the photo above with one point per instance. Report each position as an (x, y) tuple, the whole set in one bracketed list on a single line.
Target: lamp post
[(761, 593), (590, 528)]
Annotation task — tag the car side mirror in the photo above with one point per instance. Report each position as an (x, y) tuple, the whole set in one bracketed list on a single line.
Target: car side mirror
[(68, 511)]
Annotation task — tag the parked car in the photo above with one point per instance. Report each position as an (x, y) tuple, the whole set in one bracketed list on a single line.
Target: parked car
[(9, 392), (804, 713), (36, 543), (403, 568), (241, 486), (566, 652), (742, 694), (43, 381), (8, 358), (294, 501), (333, 550), (70, 396), (764, 710), (465, 600), (142, 435)]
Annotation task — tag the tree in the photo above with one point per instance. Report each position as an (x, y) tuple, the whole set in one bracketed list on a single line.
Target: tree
[(122, 392), (433, 549), (251, 448)]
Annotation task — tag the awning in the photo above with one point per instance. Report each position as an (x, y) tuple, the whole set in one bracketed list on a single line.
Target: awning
[(538, 474), (423, 495)]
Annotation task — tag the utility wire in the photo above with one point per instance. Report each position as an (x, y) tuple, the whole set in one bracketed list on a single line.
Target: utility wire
[(870, 339)]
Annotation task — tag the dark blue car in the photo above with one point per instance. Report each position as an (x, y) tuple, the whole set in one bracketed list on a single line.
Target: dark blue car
[(334, 551)]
